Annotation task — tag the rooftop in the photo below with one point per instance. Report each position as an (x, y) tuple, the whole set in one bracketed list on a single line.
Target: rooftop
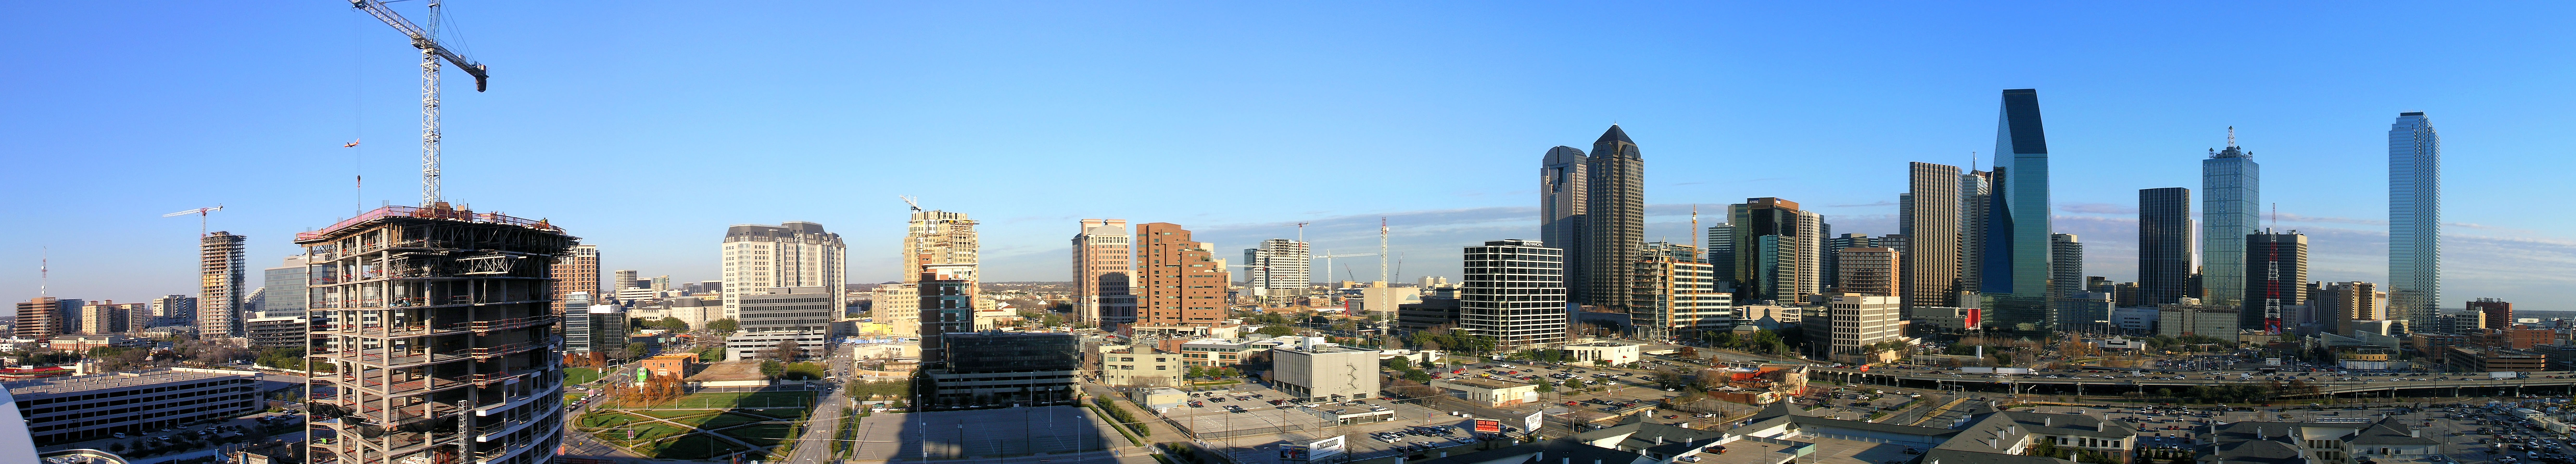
[(1485, 384), (54, 385), (438, 211)]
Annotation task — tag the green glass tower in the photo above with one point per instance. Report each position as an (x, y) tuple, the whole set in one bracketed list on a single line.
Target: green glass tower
[(2015, 268)]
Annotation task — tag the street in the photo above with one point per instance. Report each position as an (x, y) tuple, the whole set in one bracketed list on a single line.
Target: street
[(816, 446)]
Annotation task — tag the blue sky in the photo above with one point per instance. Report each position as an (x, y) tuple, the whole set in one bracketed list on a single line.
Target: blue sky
[(648, 127)]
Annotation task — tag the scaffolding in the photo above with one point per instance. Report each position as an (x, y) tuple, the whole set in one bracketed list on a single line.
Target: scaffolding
[(432, 338)]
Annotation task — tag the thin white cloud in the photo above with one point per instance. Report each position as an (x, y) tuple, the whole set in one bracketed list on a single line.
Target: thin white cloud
[(2097, 208)]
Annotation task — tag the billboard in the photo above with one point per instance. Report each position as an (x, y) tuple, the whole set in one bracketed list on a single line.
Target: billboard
[(1530, 424), (1325, 448), (1292, 452), (1489, 425)]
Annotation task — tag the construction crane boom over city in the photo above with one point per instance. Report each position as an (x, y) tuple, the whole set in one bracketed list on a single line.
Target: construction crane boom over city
[(201, 217), (426, 39)]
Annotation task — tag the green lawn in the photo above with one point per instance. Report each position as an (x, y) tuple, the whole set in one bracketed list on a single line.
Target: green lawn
[(692, 447), (731, 419), (580, 375), (675, 414), (763, 434), (735, 401)]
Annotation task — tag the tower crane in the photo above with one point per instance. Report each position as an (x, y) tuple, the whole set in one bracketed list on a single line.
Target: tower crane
[(201, 217), (426, 39)]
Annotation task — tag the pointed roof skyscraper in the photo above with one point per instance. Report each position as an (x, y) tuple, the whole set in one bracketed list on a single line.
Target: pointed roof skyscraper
[(1614, 219), (1612, 137)]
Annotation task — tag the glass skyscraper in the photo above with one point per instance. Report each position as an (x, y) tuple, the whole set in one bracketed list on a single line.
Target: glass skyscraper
[(2164, 245), (2414, 220), (2015, 276), (2231, 207)]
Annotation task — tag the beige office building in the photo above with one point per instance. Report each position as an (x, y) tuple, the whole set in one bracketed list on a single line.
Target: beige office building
[(1324, 371), (1860, 321), (795, 254), (1103, 263), (1139, 366)]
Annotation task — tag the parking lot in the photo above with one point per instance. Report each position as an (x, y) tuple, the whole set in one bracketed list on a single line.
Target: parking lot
[(1254, 435), (1054, 430), (2458, 428)]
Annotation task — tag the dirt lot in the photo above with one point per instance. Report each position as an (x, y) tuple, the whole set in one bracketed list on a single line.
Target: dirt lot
[(729, 370)]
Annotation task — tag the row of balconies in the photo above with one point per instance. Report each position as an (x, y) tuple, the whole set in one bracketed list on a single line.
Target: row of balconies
[(422, 330)]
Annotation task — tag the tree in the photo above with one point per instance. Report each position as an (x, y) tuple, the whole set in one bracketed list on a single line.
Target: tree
[(635, 350), (671, 323), (772, 368), (786, 350), (1275, 330), (726, 325), (1689, 352), (1399, 363)]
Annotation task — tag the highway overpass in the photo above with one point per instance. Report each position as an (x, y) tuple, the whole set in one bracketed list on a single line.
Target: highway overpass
[(2538, 383)]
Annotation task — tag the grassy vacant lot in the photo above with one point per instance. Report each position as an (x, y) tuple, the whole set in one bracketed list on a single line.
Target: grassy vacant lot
[(761, 400), (697, 415), (580, 375), (691, 447)]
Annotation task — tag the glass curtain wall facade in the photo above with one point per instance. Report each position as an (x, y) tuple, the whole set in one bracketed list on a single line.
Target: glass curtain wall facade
[(2164, 244), (2016, 262), (2231, 202), (2414, 219)]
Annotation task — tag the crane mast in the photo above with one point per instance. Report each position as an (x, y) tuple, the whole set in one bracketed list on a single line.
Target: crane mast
[(426, 39)]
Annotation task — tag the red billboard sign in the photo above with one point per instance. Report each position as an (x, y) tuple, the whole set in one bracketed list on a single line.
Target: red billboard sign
[(1489, 426)]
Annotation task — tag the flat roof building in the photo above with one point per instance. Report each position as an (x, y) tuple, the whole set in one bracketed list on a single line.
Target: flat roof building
[(1004, 369), (1324, 371), (69, 409), (1490, 393)]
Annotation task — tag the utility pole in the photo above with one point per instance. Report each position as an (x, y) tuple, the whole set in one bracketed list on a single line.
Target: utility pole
[(1385, 289)]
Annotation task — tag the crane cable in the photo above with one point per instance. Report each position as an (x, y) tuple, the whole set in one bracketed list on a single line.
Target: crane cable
[(357, 122)]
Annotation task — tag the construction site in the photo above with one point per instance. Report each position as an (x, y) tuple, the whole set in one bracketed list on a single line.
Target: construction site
[(436, 330)]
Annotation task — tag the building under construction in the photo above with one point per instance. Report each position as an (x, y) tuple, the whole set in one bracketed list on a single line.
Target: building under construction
[(219, 298), (437, 325)]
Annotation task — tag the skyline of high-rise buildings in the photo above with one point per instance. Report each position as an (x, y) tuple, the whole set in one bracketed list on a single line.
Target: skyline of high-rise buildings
[(1777, 250), (1276, 272)]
